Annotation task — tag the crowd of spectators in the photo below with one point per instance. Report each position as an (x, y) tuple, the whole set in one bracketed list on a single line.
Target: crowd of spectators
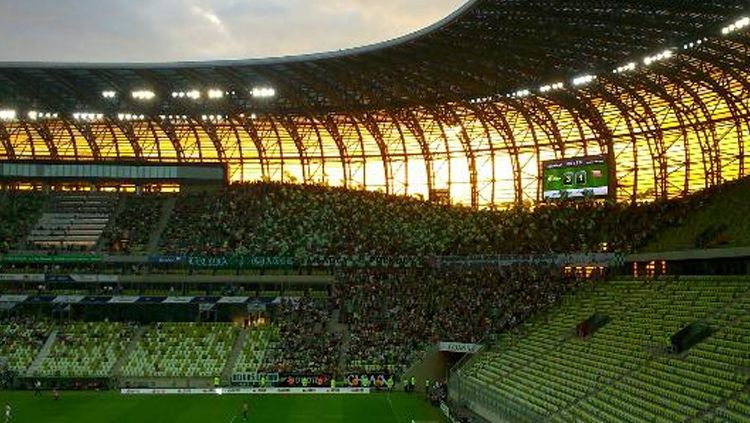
[(305, 345), (18, 213), (274, 219), (437, 392), (24, 330), (134, 224), (393, 315), (21, 339)]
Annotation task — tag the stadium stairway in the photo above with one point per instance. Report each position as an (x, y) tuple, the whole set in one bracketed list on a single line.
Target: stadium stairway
[(101, 243), (334, 325), (239, 343), (73, 220), (166, 214), (117, 367), (43, 353)]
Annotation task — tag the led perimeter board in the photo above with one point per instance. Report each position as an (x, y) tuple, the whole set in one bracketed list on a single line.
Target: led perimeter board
[(576, 178)]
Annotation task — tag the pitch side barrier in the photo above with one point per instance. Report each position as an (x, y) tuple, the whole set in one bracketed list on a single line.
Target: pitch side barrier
[(244, 391)]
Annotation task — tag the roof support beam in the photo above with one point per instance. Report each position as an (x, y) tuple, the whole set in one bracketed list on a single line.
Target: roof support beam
[(249, 126), (10, 152), (129, 132), (371, 124), (49, 139), (329, 122), (88, 135), (290, 126), (169, 129)]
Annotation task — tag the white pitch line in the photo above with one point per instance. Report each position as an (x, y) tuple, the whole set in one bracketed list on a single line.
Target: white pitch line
[(393, 410)]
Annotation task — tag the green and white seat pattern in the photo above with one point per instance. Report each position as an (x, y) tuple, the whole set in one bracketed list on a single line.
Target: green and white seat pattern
[(736, 410), (86, 350), (182, 350), (253, 353), (20, 342), (620, 373)]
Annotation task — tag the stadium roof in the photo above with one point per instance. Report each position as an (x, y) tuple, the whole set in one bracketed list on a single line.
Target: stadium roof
[(486, 48)]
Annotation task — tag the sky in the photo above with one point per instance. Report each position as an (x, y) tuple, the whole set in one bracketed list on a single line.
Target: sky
[(179, 30)]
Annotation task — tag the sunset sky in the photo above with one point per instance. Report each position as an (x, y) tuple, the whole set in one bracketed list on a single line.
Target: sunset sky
[(177, 30)]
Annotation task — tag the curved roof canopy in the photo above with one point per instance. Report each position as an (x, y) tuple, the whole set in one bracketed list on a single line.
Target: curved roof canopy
[(487, 47)]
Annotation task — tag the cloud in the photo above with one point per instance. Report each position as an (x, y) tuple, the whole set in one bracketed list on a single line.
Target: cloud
[(171, 30), (209, 16)]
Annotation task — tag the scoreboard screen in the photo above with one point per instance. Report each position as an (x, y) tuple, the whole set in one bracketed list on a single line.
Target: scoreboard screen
[(576, 178)]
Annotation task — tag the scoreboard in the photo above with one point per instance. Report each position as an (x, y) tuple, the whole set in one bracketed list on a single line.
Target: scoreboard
[(576, 178)]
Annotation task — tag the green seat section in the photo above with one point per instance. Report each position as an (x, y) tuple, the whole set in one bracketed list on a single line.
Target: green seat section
[(86, 349), (21, 340), (624, 372), (182, 350)]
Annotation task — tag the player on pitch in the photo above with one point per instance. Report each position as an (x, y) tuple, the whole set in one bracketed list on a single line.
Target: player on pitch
[(245, 410)]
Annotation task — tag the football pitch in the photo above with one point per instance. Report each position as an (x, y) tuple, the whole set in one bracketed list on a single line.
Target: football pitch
[(112, 407)]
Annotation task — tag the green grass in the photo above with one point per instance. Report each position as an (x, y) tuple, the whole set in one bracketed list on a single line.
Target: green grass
[(112, 407)]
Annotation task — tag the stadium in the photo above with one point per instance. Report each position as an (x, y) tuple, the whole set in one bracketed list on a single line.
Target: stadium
[(524, 212)]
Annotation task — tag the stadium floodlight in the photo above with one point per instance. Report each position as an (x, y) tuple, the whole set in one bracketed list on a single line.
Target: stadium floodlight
[(37, 115), (583, 79), (143, 95), (689, 45), (7, 115), (263, 92), (666, 54), (215, 94), (130, 116), (736, 26), (88, 116), (551, 87), (192, 94), (625, 68), (109, 94), (214, 118)]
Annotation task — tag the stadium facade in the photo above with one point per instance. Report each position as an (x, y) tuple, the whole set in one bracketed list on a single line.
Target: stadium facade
[(470, 107)]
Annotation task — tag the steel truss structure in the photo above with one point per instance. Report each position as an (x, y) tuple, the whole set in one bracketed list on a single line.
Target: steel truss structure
[(668, 129)]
